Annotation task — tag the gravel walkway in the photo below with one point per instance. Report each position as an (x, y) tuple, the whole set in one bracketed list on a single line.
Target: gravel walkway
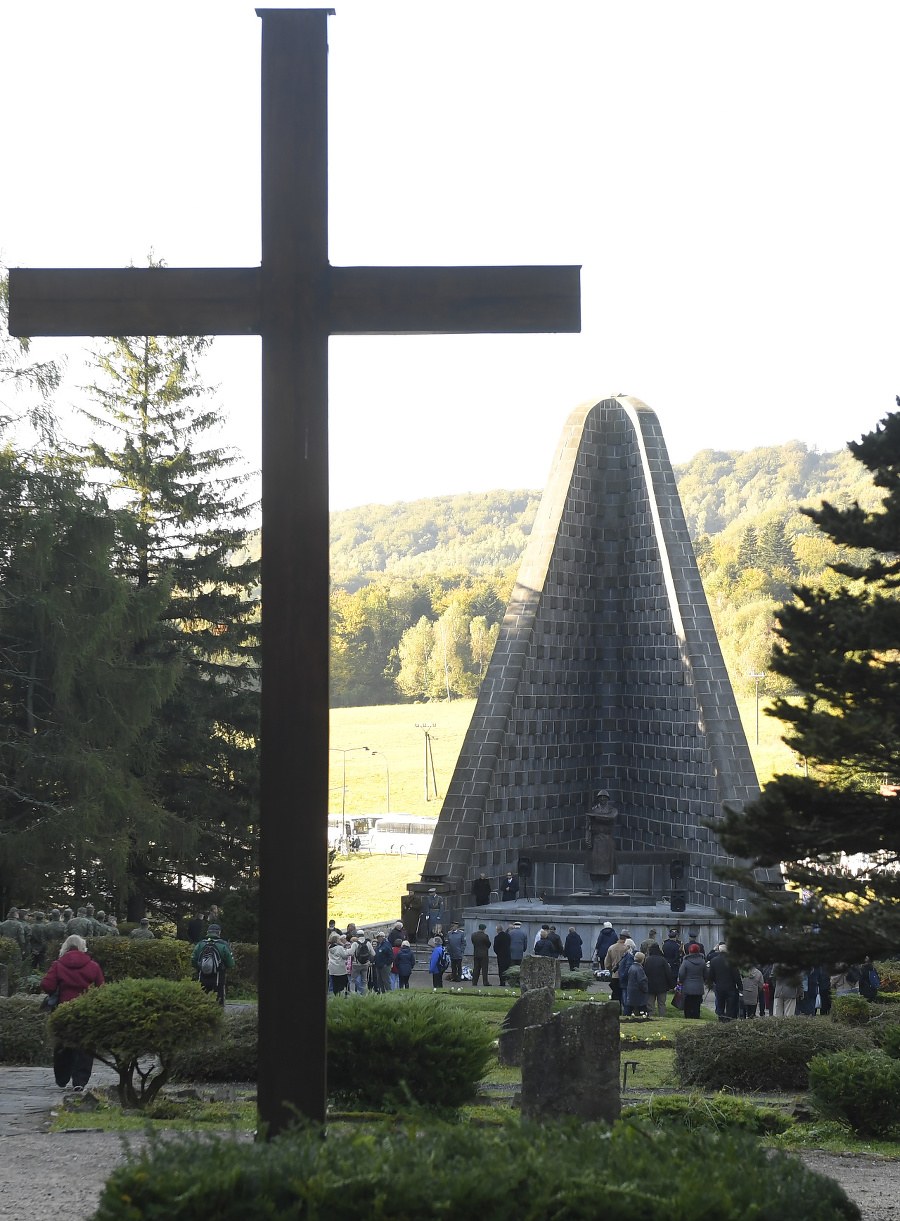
[(58, 1176)]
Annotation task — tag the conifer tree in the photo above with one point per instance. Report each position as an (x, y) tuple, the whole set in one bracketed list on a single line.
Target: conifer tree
[(837, 829), (183, 514), (776, 551), (748, 549)]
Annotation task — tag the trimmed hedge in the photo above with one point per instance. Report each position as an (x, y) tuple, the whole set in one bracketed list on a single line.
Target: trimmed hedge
[(123, 958), (233, 1057), (430, 1171), (722, 1114), (387, 1051), (134, 1019), (245, 975), (23, 1032), (858, 1088), (765, 1054), (890, 1042), (850, 1010)]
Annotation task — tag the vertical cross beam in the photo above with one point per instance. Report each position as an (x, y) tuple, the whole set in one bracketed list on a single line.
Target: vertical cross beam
[(295, 565)]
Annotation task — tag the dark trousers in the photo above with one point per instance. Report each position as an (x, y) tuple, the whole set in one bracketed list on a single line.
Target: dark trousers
[(437, 979), (340, 983), (217, 986), (72, 1062), (404, 980), (480, 965), (502, 968), (456, 970), (727, 1000), (615, 987), (692, 1006), (574, 964)]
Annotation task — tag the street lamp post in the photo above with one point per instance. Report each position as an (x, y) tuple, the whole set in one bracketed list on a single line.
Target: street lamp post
[(344, 751), (757, 677), (382, 755)]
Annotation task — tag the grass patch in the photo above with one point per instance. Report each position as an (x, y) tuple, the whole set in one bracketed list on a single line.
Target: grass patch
[(832, 1137), (502, 1076), (176, 1115), (656, 1071)]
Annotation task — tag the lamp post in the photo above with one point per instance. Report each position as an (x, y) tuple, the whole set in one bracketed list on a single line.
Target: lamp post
[(757, 677), (344, 751), (382, 755)]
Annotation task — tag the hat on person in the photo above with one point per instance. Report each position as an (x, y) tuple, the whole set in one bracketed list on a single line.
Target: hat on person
[(693, 933), (404, 943), (145, 920), (482, 926), (379, 936), (432, 890), (606, 924), (693, 948), (673, 932), (213, 928), (624, 934)]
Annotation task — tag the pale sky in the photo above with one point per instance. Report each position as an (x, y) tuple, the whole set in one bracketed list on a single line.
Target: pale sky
[(726, 174)]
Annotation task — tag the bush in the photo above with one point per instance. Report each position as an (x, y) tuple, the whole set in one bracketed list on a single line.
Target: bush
[(150, 1019), (513, 976), (231, 1057), (890, 1042), (23, 1032), (385, 1051), (858, 1088), (762, 1054), (11, 956), (888, 998), (245, 975), (889, 974), (566, 1171), (722, 1114), (576, 981), (850, 1010), (121, 958)]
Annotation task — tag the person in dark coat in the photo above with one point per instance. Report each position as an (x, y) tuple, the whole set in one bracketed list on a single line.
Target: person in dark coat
[(557, 940), (509, 888), (195, 928), (73, 973), (572, 949), (504, 953), (626, 962), (545, 947), (481, 889), (692, 977), (636, 987), (518, 943), (660, 980), (673, 951), (605, 941), (726, 979), (405, 962), (481, 947), (434, 965)]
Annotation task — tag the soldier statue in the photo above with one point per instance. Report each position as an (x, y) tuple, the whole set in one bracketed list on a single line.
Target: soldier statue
[(601, 846)]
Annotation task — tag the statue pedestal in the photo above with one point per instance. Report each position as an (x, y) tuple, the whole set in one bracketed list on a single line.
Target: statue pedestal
[(587, 913)]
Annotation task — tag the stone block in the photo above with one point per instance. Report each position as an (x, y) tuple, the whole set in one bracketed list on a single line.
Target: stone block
[(533, 1008), (538, 972), (570, 1065)]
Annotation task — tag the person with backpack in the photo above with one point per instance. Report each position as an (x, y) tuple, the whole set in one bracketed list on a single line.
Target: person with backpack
[(438, 964), (869, 980), (211, 958), (361, 958)]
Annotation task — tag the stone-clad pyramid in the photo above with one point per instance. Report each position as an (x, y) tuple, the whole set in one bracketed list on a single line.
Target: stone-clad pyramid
[(607, 674)]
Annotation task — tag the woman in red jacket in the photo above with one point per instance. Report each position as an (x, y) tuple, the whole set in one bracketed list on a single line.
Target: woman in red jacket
[(73, 973)]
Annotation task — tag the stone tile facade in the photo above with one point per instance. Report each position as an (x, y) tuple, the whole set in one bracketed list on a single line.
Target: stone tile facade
[(607, 674)]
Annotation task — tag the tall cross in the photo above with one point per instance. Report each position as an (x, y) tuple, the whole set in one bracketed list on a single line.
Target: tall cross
[(294, 300)]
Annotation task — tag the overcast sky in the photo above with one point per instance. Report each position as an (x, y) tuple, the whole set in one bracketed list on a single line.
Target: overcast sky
[(726, 174)]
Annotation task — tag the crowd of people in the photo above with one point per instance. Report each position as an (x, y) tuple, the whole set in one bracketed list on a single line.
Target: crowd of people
[(641, 979)]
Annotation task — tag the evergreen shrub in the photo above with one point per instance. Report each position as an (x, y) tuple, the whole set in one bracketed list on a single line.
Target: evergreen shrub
[(576, 981), (121, 958), (858, 1088), (889, 973), (851, 1010), (764, 1054), (721, 1113), (244, 977), (427, 1170), (513, 976), (889, 998), (137, 1019), (387, 1051), (230, 1057), (23, 1032), (890, 1042)]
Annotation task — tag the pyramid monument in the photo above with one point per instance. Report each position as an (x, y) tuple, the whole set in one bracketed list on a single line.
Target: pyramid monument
[(607, 675)]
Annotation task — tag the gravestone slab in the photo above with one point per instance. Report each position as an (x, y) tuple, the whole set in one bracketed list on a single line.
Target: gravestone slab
[(538, 972), (533, 1008), (570, 1065)]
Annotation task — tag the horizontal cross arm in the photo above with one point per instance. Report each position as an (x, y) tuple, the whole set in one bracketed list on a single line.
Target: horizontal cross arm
[(454, 300), (135, 301)]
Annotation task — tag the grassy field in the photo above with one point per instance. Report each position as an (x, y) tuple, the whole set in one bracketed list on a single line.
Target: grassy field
[(373, 885)]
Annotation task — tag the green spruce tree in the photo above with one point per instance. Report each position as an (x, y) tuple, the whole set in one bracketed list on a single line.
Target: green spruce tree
[(748, 549), (838, 829), (776, 551), (183, 514)]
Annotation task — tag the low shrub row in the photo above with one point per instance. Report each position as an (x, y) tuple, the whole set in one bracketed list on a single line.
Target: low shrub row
[(428, 1170), (721, 1114), (570, 981), (766, 1054), (165, 958), (231, 1057)]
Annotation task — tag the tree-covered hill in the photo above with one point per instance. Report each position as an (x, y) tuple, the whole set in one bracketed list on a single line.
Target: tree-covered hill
[(419, 589)]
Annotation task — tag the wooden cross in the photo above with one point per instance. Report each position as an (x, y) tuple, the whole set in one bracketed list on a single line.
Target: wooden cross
[(294, 300)]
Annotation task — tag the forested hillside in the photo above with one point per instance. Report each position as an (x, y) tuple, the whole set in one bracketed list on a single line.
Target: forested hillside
[(420, 589)]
